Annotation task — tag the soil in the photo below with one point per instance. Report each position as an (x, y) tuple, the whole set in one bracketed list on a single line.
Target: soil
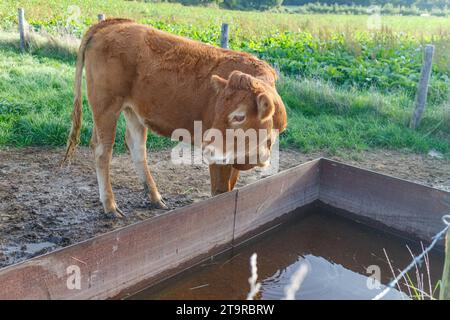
[(44, 206)]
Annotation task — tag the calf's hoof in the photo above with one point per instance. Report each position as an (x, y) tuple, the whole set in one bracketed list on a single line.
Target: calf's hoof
[(159, 204), (217, 192), (115, 213)]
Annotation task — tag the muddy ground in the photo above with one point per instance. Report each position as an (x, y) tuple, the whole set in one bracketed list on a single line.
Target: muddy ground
[(44, 206)]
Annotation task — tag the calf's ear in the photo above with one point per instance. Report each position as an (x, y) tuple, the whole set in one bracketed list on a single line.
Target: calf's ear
[(266, 108), (218, 82)]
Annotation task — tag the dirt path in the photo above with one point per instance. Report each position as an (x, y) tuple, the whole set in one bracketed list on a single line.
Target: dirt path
[(43, 206)]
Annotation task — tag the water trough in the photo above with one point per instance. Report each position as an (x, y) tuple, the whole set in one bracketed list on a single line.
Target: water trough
[(137, 256)]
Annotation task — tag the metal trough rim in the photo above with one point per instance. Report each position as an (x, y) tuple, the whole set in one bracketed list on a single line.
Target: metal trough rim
[(249, 186), (160, 247), (386, 175)]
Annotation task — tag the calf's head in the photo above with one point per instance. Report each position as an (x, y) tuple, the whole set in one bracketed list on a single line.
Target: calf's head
[(249, 115)]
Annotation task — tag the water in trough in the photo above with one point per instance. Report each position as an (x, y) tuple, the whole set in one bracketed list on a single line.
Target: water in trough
[(337, 251)]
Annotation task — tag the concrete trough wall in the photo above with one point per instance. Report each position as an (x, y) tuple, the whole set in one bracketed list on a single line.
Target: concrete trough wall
[(154, 249)]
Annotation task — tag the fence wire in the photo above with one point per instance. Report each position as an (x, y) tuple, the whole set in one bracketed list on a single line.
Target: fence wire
[(416, 260)]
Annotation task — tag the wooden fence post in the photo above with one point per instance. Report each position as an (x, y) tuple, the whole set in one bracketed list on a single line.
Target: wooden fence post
[(422, 88), (22, 29), (224, 36), (444, 292), (101, 17)]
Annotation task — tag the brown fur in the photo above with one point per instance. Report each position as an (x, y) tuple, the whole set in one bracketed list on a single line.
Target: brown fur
[(74, 135), (164, 82)]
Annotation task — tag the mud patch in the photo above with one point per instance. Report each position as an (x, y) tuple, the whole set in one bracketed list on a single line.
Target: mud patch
[(44, 206)]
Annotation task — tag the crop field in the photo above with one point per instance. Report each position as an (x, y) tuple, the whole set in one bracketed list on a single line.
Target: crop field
[(346, 87)]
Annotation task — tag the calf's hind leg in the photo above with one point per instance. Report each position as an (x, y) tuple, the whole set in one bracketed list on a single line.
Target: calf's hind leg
[(136, 138), (102, 142)]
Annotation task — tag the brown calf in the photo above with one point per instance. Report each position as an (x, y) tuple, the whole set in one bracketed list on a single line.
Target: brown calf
[(165, 82)]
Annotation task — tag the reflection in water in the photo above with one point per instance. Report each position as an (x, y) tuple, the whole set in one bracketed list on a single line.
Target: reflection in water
[(336, 250), (325, 280)]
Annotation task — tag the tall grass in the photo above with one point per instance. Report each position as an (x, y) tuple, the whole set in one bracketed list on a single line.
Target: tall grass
[(36, 100), (324, 117), (417, 286), (55, 14), (335, 49)]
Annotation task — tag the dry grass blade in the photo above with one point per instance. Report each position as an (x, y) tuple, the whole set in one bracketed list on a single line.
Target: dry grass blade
[(254, 286), (392, 269)]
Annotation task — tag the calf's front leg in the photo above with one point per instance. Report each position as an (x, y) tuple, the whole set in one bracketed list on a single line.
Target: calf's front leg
[(223, 178)]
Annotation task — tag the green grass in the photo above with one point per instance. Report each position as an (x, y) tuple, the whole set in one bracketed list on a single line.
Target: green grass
[(36, 95), (323, 117), (345, 87), (36, 102)]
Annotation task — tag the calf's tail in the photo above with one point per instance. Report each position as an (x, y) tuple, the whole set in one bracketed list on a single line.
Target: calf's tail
[(77, 113)]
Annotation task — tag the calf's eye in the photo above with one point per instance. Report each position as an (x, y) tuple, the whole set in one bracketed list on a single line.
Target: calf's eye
[(238, 118)]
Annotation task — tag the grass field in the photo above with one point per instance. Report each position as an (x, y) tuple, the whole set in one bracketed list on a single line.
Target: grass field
[(346, 88), (53, 13)]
